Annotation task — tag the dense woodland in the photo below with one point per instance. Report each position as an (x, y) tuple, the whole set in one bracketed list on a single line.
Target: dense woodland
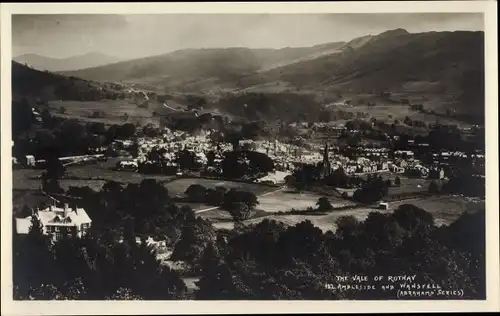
[(263, 261)]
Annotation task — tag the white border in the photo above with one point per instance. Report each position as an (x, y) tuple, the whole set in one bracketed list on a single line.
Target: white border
[(489, 8)]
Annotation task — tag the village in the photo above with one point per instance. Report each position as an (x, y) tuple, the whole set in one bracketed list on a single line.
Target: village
[(287, 157)]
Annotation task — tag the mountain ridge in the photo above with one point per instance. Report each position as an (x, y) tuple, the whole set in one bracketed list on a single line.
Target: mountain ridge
[(91, 59), (443, 70)]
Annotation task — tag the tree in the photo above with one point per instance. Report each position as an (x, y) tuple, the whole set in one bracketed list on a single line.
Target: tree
[(338, 178), (22, 116), (36, 228), (236, 196), (408, 120), (324, 204), (210, 158), (196, 193), (397, 181), (126, 130), (54, 172), (433, 187), (194, 239), (217, 281), (239, 211), (410, 216), (51, 186), (215, 197), (186, 160), (347, 227), (258, 162), (150, 130), (129, 232), (372, 191), (62, 110)]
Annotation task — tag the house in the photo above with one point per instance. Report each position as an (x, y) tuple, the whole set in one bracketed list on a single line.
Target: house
[(383, 205), (30, 160), (275, 177), (436, 173), (58, 222), (396, 169), (127, 165)]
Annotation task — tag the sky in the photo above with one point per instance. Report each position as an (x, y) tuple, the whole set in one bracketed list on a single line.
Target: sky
[(141, 35)]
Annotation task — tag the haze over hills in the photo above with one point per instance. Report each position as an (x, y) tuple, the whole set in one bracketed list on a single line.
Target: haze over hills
[(92, 59), (442, 70), (449, 65), (212, 66)]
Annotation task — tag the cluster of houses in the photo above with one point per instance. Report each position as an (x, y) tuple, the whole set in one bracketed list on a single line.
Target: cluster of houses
[(170, 143), (375, 160), (456, 156)]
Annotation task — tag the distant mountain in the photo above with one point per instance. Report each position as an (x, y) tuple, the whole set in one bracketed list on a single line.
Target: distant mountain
[(441, 70), (63, 64), (196, 69), (444, 66)]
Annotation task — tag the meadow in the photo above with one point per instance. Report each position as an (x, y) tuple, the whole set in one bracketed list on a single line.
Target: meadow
[(113, 111), (390, 112), (445, 210), (179, 186)]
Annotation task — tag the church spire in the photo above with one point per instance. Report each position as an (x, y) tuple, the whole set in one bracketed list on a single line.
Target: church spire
[(326, 162)]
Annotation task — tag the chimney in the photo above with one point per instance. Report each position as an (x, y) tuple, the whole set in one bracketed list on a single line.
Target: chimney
[(75, 209), (66, 209)]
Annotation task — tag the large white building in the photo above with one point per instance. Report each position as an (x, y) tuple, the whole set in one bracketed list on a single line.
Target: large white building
[(58, 222)]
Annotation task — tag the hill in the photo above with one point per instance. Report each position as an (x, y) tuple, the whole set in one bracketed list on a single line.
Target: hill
[(443, 66), (442, 70), (29, 82), (92, 59), (197, 69)]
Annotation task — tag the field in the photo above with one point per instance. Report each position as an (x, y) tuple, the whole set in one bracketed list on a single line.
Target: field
[(179, 186), (444, 209), (30, 184), (285, 201), (398, 112), (409, 185), (114, 111), (104, 170), (91, 173)]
